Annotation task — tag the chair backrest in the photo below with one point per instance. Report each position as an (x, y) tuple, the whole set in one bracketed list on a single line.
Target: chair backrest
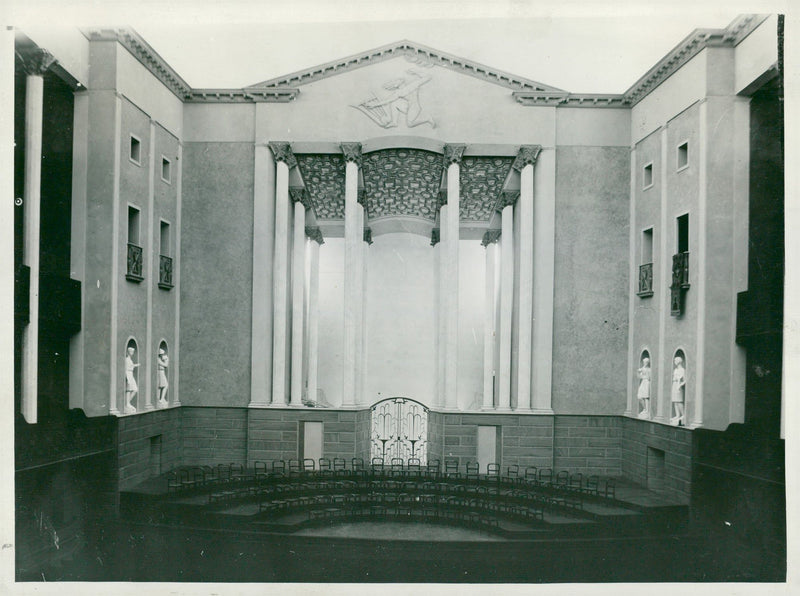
[(434, 466), (357, 463), (450, 466), (260, 466), (531, 473), (562, 477), (309, 465), (338, 463), (576, 480), (377, 460), (492, 469), (295, 465), (278, 466), (545, 475), (414, 463), (512, 471), (324, 463), (472, 467), (397, 463)]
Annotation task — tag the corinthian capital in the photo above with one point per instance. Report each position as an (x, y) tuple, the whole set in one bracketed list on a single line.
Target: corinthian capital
[(490, 237), (506, 198), (299, 195), (527, 156), (453, 154), (283, 152), (315, 234), (36, 61), (352, 152)]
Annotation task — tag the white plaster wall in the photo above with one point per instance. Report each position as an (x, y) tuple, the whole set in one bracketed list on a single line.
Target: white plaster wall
[(602, 127), (221, 123), (756, 53), (331, 319), (463, 108), (136, 83), (675, 94)]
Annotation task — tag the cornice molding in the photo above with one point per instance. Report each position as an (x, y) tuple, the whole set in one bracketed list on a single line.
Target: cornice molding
[(687, 49), (490, 237), (242, 95), (283, 152), (527, 156), (36, 61), (570, 100), (414, 52), (146, 55)]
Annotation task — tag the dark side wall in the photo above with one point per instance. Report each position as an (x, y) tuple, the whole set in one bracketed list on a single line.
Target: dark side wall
[(216, 273)]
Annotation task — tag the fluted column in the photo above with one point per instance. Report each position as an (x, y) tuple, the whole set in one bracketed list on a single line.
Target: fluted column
[(524, 164), (490, 305), (313, 310), (506, 300), (452, 160), (353, 237), (298, 293), (285, 160), (36, 64)]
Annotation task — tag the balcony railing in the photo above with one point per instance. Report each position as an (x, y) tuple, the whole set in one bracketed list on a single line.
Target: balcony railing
[(645, 280), (680, 282), (134, 271), (165, 272)]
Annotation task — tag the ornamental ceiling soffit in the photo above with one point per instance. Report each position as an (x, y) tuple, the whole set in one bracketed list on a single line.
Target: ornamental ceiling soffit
[(404, 183)]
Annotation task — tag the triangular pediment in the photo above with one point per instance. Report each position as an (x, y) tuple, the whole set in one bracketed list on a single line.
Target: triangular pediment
[(414, 52)]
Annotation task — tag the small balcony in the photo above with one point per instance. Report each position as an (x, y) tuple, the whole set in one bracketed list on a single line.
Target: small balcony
[(165, 272), (134, 270), (680, 270), (645, 280)]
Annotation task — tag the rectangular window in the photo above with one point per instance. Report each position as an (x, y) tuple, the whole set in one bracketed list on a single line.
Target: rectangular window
[(164, 244), (683, 155), (134, 255), (648, 176), (683, 233), (646, 266), (166, 170), (136, 150), (133, 225), (647, 245)]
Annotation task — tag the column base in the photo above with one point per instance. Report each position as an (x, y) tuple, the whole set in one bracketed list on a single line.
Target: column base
[(487, 408), (543, 411), (258, 404), (523, 411), (503, 409), (148, 408)]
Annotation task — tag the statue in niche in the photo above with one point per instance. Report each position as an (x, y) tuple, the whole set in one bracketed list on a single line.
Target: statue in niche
[(678, 394), (395, 97), (131, 388), (643, 394), (163, 385)]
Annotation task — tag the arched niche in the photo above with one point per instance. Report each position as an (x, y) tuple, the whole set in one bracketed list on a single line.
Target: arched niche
[(131, 396), (677, 391), (161, 397), (644, 390)]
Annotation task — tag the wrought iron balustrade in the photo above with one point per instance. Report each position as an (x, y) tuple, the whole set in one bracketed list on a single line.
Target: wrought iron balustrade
[(134, 270), (165, 272), (399, 430), (645, 280), (680, 282)]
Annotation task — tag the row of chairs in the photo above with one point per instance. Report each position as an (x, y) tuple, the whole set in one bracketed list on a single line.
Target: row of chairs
[(234, 474)]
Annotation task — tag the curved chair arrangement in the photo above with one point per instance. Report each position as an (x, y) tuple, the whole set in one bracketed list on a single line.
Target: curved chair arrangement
[(331, 489)]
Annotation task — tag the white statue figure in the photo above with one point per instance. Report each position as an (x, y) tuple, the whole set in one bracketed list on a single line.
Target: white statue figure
[(163, 385), (644, 388), (678, 392), (131, 388)]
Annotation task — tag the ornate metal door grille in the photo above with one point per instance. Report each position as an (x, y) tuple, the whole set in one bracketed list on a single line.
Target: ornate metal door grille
[(399, 430)]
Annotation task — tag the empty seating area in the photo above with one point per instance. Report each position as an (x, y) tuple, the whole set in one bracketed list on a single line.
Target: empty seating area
[(331, 489)]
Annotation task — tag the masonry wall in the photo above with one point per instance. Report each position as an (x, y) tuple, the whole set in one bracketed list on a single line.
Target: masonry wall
[(588, 444), (212, 436), (141, 454), (676, 444)]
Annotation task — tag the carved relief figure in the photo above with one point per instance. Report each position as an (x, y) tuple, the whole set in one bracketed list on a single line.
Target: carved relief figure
[(131, 388), (678, 394), (644, 388), (398, 96), (163, 385)]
